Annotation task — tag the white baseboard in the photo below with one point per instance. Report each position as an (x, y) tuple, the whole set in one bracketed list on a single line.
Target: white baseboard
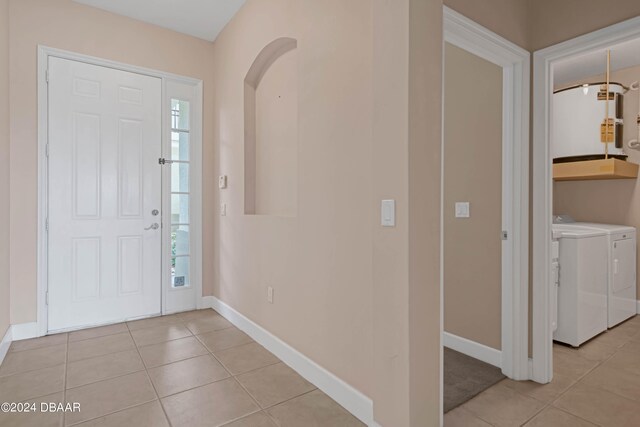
[(23, 331), (471, 348), (5, 344), (206, 302), (638, 307), (351, 399)]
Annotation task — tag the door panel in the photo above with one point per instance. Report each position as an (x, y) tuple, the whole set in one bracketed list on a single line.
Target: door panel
[(104, 183)]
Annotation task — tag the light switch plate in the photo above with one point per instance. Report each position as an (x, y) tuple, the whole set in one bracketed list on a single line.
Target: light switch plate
[(388, 213), (222, 181), (223, 209), (462, 210)]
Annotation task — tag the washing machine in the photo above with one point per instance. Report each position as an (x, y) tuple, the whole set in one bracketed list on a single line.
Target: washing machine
[(582, 283), (622, 283)]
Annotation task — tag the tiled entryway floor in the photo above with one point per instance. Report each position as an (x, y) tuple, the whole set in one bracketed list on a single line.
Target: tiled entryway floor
[(595, 385), (190, 369)]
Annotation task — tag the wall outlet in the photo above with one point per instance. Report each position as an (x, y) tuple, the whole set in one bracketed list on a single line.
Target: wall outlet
[(222, 182), (270, 294)]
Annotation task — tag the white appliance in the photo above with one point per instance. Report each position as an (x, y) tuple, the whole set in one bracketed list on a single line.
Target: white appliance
[(577, 116), (555, 282), (621, 266), (582, 289)]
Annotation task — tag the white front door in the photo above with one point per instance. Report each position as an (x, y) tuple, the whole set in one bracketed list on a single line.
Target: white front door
[(104, 195)]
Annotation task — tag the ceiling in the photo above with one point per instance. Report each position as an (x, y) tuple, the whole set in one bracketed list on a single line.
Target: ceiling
[(623, 55), (199, 18)]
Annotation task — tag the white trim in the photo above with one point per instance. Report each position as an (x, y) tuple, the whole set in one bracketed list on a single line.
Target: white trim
[(24, 331), (473, 349), (188, 298), (5, 344), (351, 399), (638, 307), (43, 54), (208, 301), (543, 180), (468, 35)]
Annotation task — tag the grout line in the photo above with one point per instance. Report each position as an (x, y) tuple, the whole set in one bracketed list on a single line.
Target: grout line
[(36, 348), (256, 369), (97, 336), (37, 369), (119, 376), (32, 370), (242, 417), (100, 355), (292, 398), (111, 413), (570, 387), (106, 379), (573, 384), (263, 410), (266, 414), (146, 371), (235, 377), (574, 415), (148, 368), (181, 321)]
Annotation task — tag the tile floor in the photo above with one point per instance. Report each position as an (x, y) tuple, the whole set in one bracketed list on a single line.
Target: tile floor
[(190, 369), (595, 385)]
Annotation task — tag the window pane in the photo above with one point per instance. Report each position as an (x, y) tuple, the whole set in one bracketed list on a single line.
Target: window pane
[(180, 177), (180, 272), (180, 146), (180, 240), (179, 208), (180, 114)]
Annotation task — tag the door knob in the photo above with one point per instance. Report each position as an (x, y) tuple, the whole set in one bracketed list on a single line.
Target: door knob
[(153, 226)]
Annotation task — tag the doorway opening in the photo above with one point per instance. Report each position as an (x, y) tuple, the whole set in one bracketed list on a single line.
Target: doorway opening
[(584, 221), (484, 245)]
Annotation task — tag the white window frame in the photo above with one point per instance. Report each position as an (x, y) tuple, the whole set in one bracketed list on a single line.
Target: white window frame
[(543, 62), (44, 53), (181, 299), (515, 63)]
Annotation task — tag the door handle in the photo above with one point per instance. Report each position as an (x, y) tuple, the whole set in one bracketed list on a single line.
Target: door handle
[(153, 226)]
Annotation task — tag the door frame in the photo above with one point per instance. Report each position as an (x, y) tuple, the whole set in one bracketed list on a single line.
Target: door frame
[(44, 52), (515, 62), (543, 62)]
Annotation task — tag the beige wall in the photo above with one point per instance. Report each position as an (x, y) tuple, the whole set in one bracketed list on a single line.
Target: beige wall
[(319, 263), (346, 290), (390, 251), (472, 173), (424, 160), (507, 18), (610, 202), (276, 127), (67, 25), (554, 21), (4, 170)]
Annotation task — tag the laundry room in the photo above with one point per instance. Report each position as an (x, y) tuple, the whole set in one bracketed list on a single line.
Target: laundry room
[(594, 134)]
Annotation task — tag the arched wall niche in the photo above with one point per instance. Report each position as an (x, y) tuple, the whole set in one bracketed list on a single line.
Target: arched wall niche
[(271, 131)]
